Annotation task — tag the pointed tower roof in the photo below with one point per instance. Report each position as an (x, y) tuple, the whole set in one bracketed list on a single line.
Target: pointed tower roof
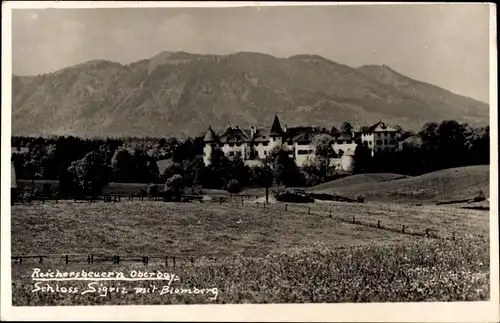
[(276, 127), (210, 135)]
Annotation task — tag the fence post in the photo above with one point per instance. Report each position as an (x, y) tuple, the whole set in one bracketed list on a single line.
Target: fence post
[(88, 259), (166, 261), (286, 207), (308, 210), (242, 200), (403, 228), (330, 215), (92, 258), (67, 260), (41, 258), (427, 232), (453, 236), (20, 260), (173, 258), (378, 224), (353, 220), (192, 261)]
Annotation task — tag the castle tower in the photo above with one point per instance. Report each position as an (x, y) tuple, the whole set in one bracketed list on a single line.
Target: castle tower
[(276, 133), (210, 141)]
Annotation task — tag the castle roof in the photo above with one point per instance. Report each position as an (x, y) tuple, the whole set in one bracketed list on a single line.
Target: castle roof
[(379, 127), (276, 129), (301, 133), (234, 135), (261, 135), (210, 136)]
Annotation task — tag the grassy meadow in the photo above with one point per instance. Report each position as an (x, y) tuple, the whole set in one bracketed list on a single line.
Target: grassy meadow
[(253, 254)]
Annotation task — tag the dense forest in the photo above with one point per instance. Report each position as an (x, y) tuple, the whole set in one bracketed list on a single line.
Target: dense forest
[(86, 165)]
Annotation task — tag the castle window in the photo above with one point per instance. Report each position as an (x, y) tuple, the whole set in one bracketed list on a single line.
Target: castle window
[(378, 142), (265, 143), (386, 142), (231, 145), (348, 142), (393, 142), (302, 152), (238, 145), (340, 142), (265, 152), (231, 153), (393, 134), (213, 145)]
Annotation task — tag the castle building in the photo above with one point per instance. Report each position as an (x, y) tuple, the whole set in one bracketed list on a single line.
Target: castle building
[(253, 145), (380, 137)]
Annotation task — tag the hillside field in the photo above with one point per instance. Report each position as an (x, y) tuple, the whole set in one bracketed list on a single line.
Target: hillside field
[(261, 254), (453, 183)]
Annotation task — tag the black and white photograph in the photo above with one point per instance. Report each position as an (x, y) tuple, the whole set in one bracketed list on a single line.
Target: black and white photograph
[(250, 154)]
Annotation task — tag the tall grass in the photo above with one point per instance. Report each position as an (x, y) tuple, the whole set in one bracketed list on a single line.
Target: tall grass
[(422, 270)]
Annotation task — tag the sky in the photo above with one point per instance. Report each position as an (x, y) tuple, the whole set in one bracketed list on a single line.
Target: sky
[(443, 44)]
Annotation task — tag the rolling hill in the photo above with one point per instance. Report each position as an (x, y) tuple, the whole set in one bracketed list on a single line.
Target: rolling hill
[(180, 94), (452, 183)]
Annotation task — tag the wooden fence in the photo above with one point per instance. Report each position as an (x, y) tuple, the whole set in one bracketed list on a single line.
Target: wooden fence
[(108, 198), (168, 261), (377, 224)]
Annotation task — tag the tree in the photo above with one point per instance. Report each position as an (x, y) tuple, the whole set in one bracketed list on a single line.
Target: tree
[(324, 145), (233, 186), (47, 190), (122, 164), (324, 153), (346, 127), (286, 171), (362, 158), (153, 190), (90, 173), (174, 186), (262, 176)]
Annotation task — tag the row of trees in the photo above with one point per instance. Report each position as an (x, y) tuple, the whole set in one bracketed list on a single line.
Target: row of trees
[(85, 165)]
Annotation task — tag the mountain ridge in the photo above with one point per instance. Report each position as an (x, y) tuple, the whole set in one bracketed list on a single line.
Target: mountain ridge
[(180, 93)]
